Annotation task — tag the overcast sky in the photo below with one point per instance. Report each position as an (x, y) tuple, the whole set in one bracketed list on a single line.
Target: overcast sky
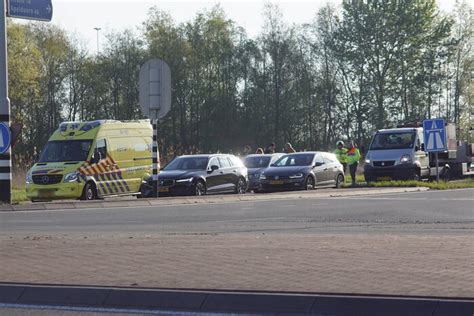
[(82, 16)]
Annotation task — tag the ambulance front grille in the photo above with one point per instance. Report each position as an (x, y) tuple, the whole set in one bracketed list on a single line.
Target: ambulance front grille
[(47, 179)]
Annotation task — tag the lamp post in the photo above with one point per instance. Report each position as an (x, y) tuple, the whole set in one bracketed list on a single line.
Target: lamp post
[(97, 29)]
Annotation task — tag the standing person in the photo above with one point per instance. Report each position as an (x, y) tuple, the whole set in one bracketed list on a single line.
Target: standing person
[(259, 151), (353, 156), (289, 149), (247, 150), (341, 154), (270, 148)]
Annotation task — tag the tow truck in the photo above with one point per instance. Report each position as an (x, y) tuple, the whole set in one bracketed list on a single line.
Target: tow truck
[(399, 154)]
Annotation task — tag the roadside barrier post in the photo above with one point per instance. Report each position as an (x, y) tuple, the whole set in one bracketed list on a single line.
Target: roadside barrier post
[(155, 157), (5, 149)]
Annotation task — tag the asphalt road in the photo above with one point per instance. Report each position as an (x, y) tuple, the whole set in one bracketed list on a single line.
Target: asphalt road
[(429, 212)]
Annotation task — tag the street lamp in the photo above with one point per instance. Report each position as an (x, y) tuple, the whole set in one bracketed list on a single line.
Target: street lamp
[(97, 29)]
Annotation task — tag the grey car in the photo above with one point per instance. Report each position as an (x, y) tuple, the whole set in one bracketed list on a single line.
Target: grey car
[(303, 171), (255, 164)]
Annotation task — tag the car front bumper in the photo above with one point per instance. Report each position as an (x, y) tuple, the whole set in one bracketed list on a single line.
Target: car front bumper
[(281, 185)]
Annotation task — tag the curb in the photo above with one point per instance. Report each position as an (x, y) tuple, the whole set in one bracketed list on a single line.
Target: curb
[(209, 199), (230, 302)]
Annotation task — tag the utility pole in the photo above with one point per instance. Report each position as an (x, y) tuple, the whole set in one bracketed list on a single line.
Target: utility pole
[(97, 29)]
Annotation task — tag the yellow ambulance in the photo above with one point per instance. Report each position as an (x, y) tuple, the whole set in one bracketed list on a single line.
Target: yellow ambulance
[(90, 160)]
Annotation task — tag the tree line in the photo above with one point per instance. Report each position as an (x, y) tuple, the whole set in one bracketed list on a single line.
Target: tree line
[(355, 68)]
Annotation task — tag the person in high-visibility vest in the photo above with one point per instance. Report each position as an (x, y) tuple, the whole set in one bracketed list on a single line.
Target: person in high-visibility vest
[(341, 154), (353, 157)]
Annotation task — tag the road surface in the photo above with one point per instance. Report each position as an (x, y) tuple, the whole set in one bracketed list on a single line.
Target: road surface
[(433, 212), (415, 244)]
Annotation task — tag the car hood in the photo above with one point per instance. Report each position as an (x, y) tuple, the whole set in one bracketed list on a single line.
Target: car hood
[(388, 154), (55, 167), (285, 171), (179, 174), (255, 170)]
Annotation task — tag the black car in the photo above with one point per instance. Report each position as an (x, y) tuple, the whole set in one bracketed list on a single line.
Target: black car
[(255, 164), (303, 171), (202, 174)]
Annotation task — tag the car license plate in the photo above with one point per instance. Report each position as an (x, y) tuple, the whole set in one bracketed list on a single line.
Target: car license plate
[(277, 182), (46, 193), (163, 190), (384, 178)]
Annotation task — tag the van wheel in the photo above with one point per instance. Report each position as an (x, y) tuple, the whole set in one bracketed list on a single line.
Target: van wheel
[(416, 175), (89, 193), (339, 181)]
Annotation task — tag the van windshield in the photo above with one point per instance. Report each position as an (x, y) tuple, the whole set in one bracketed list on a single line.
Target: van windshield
[(397, 140), (66, 150)]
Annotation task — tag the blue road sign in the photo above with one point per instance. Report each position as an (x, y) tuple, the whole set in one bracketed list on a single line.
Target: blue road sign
[(41, 10), (5, 138), (435, 135)]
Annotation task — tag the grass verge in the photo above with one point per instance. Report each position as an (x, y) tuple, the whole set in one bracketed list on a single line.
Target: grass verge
[(442, 185), (18, 195)]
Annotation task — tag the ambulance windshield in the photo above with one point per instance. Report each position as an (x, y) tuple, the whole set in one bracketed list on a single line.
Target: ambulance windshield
[(66, 150)]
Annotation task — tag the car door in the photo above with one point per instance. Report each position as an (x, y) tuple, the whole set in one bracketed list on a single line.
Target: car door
[(331, 168), (234, 172), (214, 178), (320, 170), (226, 172), (422, 156)]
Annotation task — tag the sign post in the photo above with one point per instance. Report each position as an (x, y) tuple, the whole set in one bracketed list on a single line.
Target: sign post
[(41, 10), (435, 139), (155, 102), (5, 152)]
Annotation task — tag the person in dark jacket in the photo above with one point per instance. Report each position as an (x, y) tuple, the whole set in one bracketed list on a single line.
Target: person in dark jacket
[(270, 148)]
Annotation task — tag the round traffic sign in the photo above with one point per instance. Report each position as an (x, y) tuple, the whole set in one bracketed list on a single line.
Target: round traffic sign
[(5, 138)]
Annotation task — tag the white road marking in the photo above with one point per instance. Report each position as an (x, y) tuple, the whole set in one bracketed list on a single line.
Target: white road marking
[(97, 310)]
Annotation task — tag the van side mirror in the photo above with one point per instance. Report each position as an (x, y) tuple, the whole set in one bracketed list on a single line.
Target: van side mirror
[(95, 157)]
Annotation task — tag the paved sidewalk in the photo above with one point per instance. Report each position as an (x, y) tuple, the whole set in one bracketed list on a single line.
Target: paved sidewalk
[(346, 263)]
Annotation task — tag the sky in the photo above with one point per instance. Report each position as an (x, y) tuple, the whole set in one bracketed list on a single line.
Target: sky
[(82, 16)]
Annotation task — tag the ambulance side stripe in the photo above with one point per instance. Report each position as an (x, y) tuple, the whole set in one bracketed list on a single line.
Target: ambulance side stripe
[(118, 182), (107, 184), (112, 184)]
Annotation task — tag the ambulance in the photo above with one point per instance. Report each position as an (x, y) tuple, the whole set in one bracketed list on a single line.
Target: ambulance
[(92, 160)]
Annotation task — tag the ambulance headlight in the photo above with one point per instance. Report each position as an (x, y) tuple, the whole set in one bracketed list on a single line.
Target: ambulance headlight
[(71, 177), (29, 178)]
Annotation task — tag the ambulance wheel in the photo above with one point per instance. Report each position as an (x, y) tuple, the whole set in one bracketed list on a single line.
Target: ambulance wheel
[(89, 193)]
